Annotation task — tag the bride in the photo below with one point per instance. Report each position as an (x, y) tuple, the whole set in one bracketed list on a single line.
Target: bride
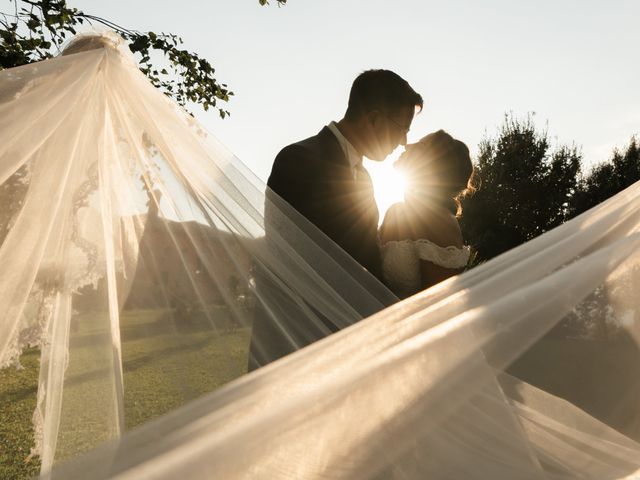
[(421, 239)]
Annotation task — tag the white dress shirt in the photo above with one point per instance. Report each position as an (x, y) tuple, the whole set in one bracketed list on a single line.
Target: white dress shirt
[(353, 157)]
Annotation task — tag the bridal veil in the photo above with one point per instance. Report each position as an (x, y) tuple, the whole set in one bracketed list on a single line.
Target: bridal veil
[(144, 261)]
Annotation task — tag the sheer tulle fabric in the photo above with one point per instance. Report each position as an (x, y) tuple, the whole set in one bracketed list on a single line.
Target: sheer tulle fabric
[(134, 253), (138, 258)]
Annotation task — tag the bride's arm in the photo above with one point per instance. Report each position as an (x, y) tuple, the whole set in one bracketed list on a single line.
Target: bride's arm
[(432, 274)]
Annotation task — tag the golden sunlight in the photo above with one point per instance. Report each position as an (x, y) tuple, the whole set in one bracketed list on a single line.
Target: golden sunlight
[(388, 184)]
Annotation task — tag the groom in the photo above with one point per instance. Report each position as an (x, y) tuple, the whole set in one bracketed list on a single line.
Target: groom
[(323, 178)]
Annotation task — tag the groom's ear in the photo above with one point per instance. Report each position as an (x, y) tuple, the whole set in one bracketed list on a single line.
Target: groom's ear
[(374, 117)]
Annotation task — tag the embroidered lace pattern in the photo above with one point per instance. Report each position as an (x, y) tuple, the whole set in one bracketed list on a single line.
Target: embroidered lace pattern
[(401, 262)]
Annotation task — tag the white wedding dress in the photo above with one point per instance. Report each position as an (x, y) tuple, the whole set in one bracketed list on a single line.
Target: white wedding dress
[(401, 262), (129, 241)]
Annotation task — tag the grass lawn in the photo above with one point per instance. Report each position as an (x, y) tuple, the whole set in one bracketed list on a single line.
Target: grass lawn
[(166, 363), (17, 402)]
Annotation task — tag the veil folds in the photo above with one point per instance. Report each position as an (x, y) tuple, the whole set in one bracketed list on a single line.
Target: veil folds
[(151, 270)]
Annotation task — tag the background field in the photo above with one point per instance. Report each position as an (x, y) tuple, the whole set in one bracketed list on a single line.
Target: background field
[(166, 363)]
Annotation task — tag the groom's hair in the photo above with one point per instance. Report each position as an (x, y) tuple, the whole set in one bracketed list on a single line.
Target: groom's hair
[(380, 90)]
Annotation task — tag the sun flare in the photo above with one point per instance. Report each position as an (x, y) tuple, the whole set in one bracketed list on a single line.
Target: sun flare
[(388, 184)]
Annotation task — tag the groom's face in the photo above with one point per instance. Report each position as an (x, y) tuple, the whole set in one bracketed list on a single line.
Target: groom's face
[(388, 129)]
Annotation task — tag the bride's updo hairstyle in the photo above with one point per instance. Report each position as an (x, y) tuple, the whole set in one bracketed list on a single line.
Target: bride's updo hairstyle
[(439, 166), (84, 42)]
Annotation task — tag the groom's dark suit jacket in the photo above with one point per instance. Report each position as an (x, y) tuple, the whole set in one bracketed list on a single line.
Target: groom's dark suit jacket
[(314, 176)]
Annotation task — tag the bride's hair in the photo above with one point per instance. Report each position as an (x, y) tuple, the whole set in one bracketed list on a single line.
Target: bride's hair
[(442, 164)]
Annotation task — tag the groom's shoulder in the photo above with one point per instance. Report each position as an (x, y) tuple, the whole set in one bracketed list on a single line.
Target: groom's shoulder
[(313, 146), (304, 154), (304, 148)]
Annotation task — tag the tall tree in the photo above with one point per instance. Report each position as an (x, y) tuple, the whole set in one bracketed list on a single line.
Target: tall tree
[(525, 189), (608, 178)]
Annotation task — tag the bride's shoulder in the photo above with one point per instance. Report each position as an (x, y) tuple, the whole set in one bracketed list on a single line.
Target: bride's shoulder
[(394, 224), (443, 229), (438, 225), (393, 214)]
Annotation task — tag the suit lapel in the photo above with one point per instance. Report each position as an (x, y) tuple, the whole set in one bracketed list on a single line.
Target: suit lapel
[(332, 150)]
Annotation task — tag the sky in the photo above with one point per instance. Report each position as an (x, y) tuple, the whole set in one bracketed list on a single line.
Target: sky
[(575, 63)]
